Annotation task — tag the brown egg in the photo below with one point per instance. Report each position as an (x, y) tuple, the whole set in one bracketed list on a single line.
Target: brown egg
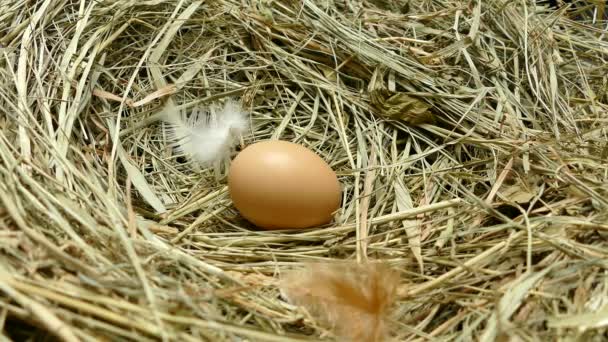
[(282, 185)]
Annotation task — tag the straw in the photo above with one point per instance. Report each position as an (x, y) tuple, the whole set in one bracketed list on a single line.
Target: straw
[(469, 136)]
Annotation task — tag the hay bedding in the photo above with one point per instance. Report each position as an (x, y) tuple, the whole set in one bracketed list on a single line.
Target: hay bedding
[(470, 138)]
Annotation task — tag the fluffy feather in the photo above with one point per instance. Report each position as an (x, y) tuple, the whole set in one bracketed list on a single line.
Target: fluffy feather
[(353, 299), (206, 138)]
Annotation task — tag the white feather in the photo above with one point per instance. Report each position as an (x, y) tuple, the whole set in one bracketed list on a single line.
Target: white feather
[(207, 139)]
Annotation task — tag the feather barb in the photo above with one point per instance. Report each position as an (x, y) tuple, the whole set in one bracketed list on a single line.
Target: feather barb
[(353, 299)]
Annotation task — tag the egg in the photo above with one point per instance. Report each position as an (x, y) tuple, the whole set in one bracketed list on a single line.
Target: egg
[(278, 184)]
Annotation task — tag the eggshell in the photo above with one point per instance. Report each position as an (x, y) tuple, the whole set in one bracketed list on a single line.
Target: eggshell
[(282, 185)]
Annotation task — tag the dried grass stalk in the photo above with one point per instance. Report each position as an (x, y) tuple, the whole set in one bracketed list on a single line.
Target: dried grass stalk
[(470, 137)]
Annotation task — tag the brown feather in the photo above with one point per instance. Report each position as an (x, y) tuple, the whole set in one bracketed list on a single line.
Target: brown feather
[(354, 300)]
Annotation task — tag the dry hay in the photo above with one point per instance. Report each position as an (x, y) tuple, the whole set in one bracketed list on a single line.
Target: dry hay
[(469, 135)]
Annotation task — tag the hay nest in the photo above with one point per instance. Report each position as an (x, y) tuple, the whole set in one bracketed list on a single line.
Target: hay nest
[(470, 138)]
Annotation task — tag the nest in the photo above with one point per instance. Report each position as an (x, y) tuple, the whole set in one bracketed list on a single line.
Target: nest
[(470, 138)]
